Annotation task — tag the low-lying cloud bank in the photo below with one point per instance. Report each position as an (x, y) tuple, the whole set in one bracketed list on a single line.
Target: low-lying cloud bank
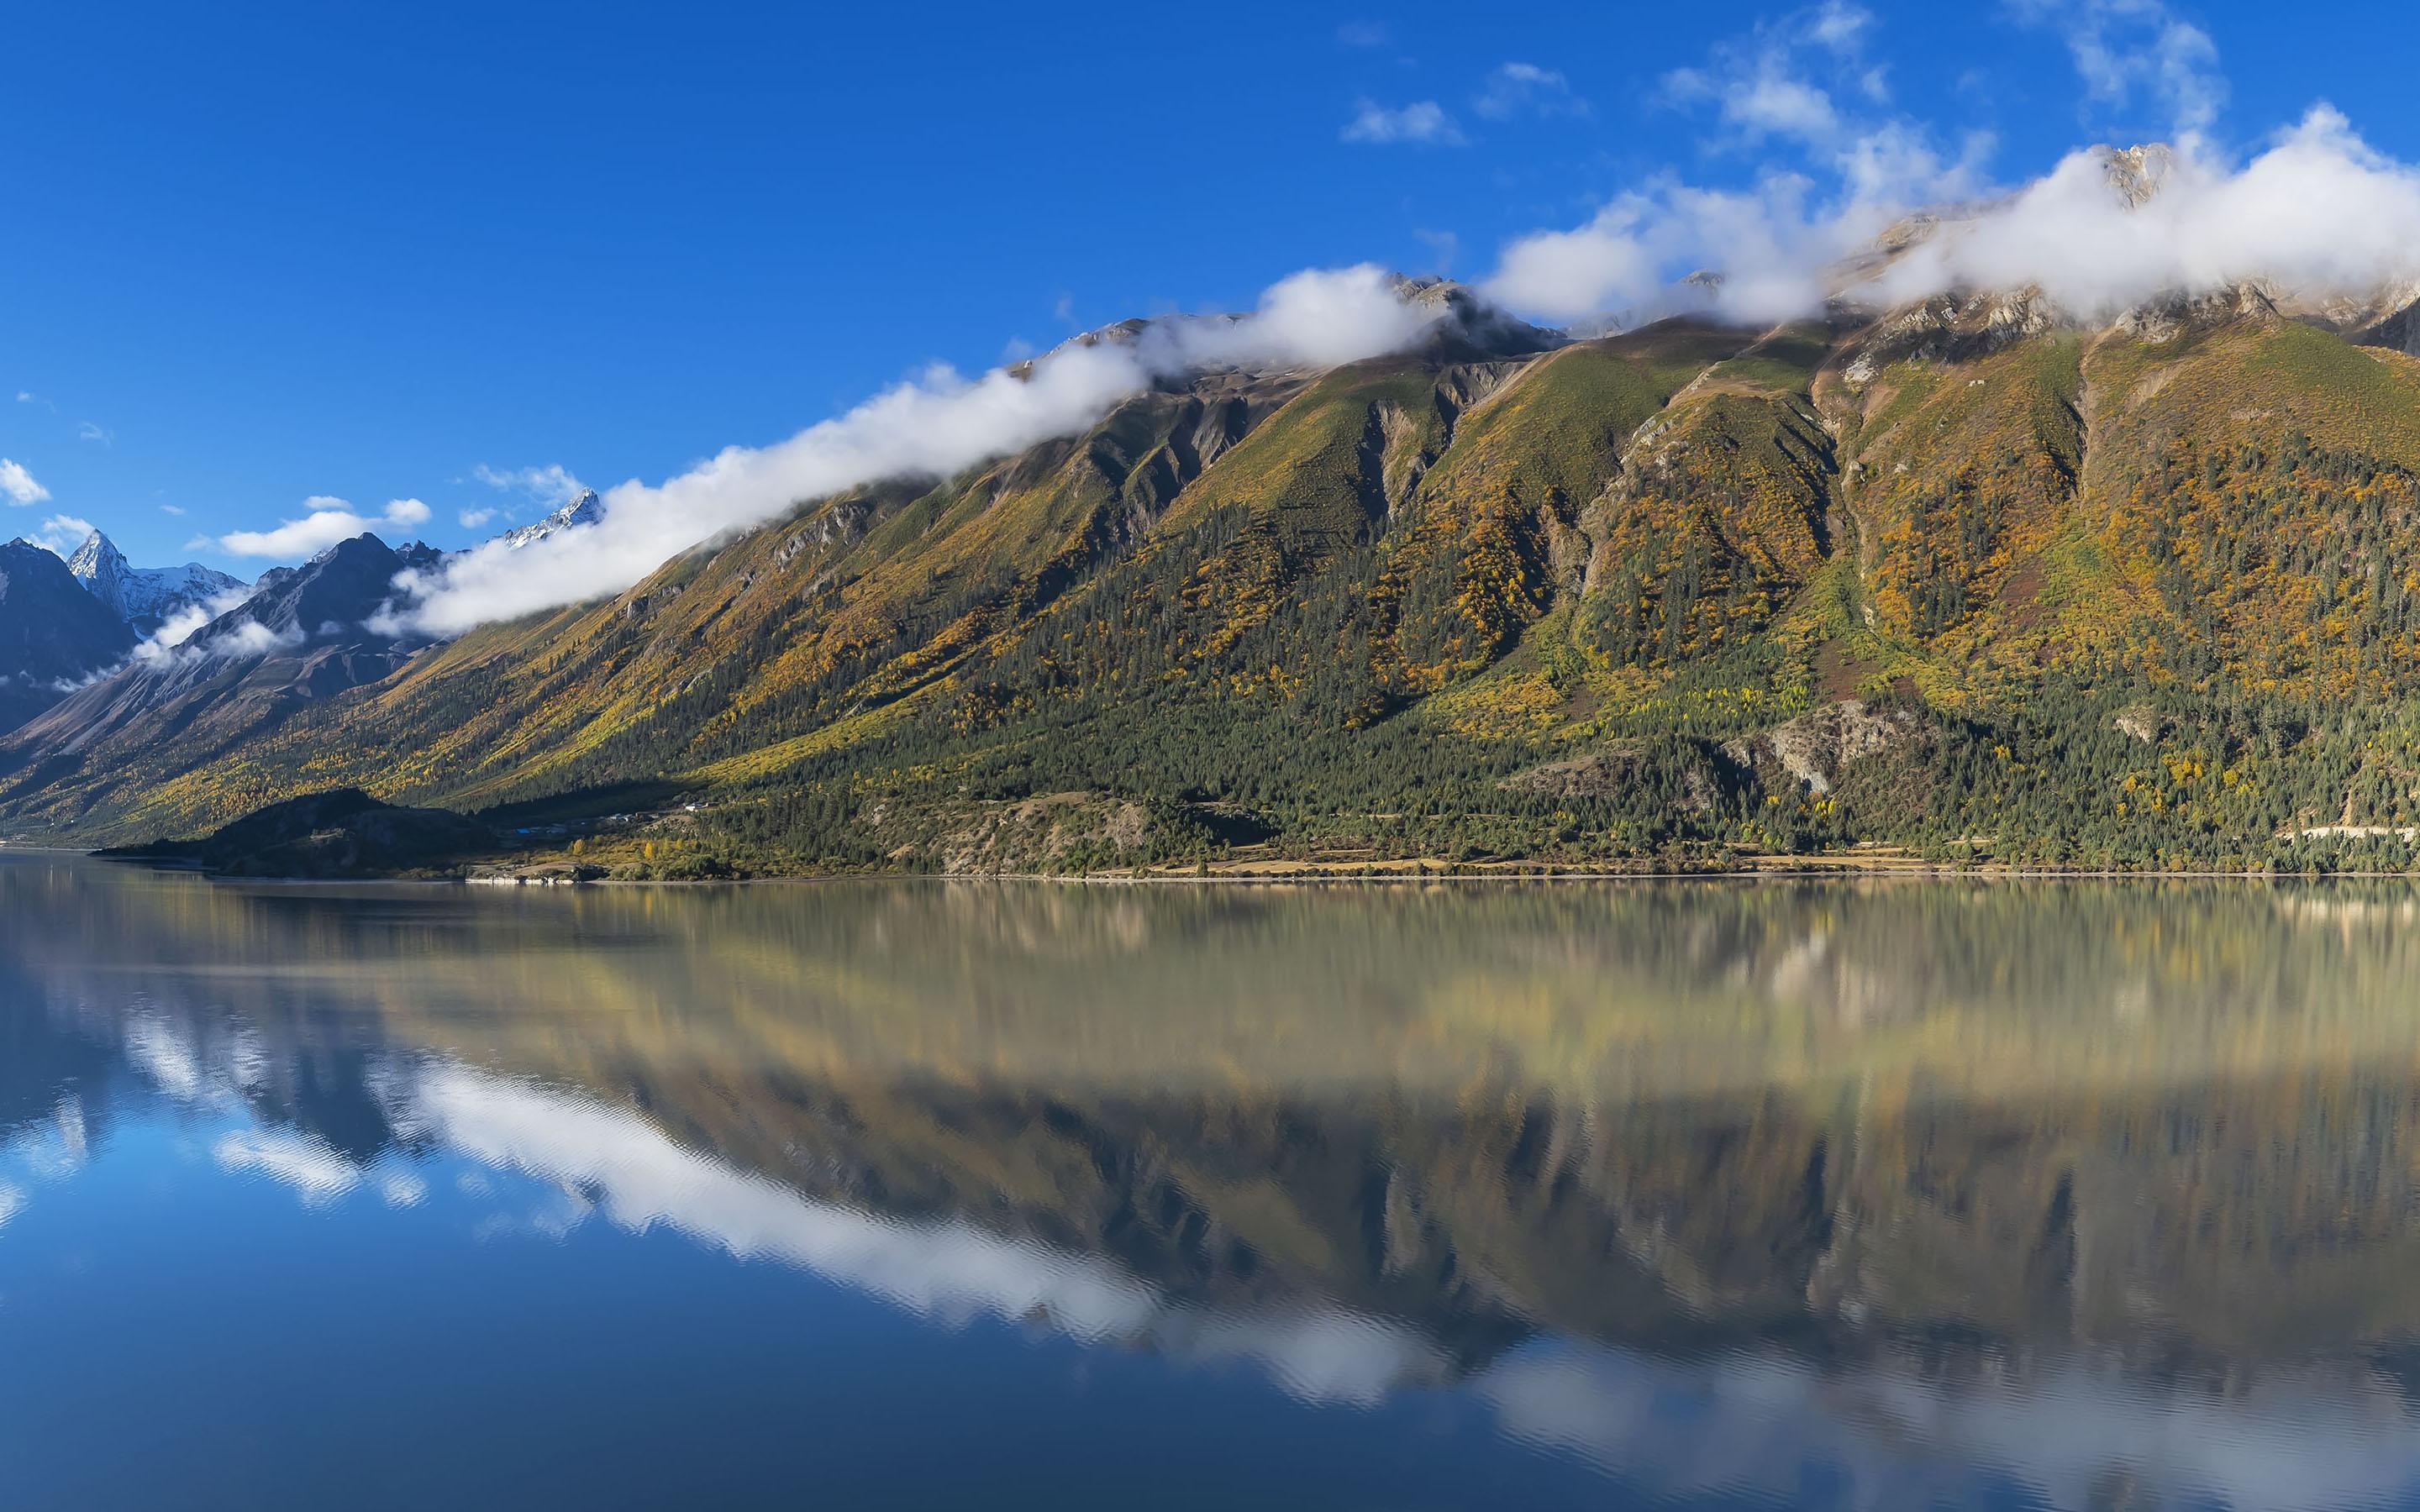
[(2316, 211), (175, 641), (930, 427)]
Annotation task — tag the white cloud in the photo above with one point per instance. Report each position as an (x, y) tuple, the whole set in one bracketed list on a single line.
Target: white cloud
[(550, 486), (2189, 81), (1771, 100), (2062, 1433), (1840, 26), (642, 1179), (472, 518), (175, 642), (61, 534), (1423, 121), (951, 1271), (167, 1053), (1758, 86), (172, 509), (1315, 318), (88, 431), (327, 521), (1774, 243), (2315, 210), (180, 627), (2318, 212), (929, 427), (1517, 88), (19, 485), (1608, 264), (317, 1172), (1787, 80), (2123, 47), (1362, 34), (403, 1189)]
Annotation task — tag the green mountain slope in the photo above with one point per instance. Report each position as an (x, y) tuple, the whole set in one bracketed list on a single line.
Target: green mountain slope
[(1961, 580)]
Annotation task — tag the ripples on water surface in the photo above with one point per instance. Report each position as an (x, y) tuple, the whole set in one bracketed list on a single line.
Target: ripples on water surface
[(869, 1195)]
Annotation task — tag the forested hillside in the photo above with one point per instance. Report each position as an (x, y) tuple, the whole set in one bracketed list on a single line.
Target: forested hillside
[(1968, 578)]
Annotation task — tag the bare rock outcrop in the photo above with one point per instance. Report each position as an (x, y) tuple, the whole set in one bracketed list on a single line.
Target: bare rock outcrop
[(1816, 749)]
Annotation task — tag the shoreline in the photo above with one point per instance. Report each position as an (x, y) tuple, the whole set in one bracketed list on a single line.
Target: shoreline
[(1309, 874)]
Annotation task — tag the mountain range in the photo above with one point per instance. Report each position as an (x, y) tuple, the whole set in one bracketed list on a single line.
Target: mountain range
[(1976, 577), (66, 625), (147, 598)]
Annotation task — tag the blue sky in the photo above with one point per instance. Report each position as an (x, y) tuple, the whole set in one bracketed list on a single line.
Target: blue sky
[(247, 260)]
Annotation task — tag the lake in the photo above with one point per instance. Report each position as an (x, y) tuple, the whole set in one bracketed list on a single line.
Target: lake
[(926, 1194)]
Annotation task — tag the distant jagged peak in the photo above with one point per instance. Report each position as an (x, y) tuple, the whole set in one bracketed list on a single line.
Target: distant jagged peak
[(1450, 300), (1130, 333), (1467, 318), (329, 597), (583, 509), (1116, 334), (96, 558), (350, 546), (145, 597)]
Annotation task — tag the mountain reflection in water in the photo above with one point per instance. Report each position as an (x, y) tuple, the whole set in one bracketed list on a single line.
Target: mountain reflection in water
[(1851, 1192)]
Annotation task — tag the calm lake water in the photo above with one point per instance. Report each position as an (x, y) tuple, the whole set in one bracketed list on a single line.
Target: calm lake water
[(935, 1194)]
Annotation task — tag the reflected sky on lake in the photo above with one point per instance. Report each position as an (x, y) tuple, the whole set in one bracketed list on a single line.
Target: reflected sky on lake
[(1855, 1194)]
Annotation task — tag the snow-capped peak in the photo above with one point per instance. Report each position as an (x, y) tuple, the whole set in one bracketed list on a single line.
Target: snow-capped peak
[(97, 559), (585, 510), (145, 597)]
